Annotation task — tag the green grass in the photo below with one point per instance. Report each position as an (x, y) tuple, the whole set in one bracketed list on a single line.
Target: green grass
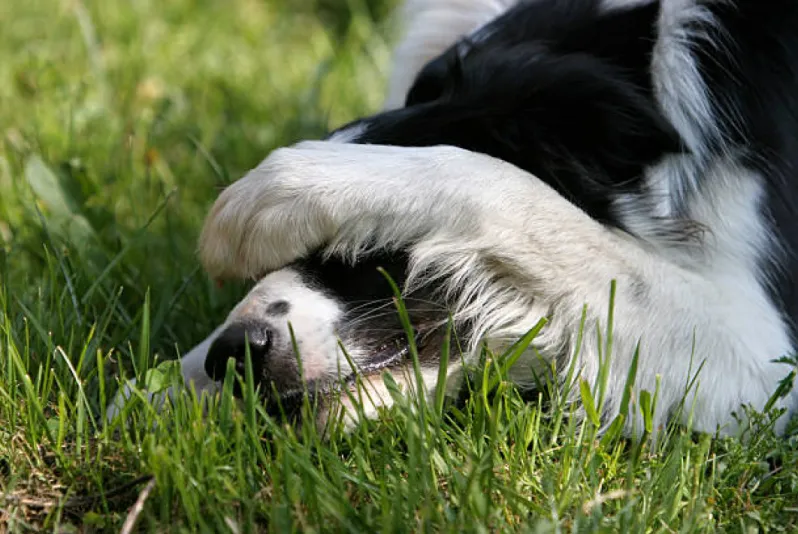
[(119, 123)]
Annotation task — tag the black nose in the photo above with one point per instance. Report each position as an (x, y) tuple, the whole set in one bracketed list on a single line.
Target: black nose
[(231, 343)]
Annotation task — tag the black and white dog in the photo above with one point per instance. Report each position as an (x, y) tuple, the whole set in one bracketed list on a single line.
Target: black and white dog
[(530, 154)]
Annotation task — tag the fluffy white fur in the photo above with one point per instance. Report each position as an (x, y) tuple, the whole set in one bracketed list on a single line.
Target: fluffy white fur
[(680, 90)]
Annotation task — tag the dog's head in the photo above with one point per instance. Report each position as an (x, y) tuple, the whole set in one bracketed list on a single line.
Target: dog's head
[(313, 326)]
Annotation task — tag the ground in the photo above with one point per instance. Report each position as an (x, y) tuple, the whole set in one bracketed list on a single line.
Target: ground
[(119, 123)]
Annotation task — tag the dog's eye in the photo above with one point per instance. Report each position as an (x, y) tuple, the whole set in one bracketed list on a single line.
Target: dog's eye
[(428, 87), (438, 76)]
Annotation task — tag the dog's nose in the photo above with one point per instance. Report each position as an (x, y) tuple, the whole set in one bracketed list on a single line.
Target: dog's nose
[(232, 342)]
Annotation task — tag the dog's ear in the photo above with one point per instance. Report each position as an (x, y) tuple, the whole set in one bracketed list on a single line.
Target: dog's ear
[(573, 107), (525, 99)]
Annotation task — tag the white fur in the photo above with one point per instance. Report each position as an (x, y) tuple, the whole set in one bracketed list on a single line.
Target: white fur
[(677, 82), (347, 135), (459, 213)]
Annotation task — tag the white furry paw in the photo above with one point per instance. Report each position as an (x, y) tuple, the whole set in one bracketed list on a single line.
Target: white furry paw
[(348, 198), (269, 218)]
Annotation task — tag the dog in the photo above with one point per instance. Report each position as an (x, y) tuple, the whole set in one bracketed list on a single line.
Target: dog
[(529, 156)]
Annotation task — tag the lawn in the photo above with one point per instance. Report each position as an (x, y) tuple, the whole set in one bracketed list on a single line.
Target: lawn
[(119, 123)]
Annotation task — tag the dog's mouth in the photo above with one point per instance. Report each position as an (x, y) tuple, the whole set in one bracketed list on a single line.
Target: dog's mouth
[(396, 349), (288, 404), (386, 356)]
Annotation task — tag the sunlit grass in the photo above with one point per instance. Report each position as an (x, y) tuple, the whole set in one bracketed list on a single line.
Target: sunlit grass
[(119, 123)]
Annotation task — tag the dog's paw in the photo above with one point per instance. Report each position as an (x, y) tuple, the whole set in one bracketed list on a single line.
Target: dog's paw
[(269, 218), (345, 197)]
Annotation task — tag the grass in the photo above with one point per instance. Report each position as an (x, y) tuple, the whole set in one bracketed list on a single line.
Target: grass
[(119, 123)]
